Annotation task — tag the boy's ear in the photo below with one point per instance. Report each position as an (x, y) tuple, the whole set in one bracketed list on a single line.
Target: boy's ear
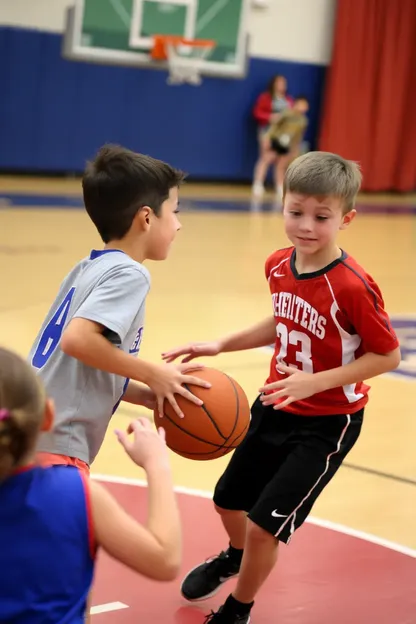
[(143, 217), (347, 218)]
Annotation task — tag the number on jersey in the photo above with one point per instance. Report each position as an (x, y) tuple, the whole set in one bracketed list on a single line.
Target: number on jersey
[(52, 333), (298, 339)]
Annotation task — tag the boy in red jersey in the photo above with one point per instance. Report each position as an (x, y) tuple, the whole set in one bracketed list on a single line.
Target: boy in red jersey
[(331, 332)]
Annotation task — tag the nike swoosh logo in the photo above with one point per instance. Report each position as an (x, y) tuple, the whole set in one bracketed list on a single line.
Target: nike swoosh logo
[(278, 274), (222, 579), (277, 515)]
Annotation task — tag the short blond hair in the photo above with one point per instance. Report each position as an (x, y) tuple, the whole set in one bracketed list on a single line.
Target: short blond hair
[(323, 174)]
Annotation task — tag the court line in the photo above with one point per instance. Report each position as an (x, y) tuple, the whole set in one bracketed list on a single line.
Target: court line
[(345, 465), (190, 203), (379, 473), (108, 607), (326, 524)]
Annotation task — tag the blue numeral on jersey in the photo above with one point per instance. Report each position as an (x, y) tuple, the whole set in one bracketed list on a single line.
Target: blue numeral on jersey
[(52, 333)]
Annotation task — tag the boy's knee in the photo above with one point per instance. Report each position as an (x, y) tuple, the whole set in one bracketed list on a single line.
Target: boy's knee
[(226, 512), (256, 534)]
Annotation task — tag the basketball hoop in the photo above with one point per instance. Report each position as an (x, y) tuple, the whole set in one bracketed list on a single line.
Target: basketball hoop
[(185, 57)]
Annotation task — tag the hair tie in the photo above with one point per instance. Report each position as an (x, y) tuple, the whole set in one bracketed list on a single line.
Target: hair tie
[(4, 414)]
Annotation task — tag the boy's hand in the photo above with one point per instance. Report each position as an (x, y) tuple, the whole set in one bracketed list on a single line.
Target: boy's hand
[(146, 445), (167, 381), (192, 350), (295, 387)]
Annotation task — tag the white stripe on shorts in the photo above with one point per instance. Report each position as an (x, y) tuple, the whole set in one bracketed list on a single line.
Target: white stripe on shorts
[(292, 516)]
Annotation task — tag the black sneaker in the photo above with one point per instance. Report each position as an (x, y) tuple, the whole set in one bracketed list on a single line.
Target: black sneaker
[(206, 579), (220, 618)]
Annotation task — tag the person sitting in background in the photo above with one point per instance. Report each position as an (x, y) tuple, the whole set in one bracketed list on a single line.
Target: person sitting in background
[(284, 138), (267, 110)]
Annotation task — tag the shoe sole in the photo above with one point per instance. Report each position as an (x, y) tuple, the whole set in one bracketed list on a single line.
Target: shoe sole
[(206, 596)]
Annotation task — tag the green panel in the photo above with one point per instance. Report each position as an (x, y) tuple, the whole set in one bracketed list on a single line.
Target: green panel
[(104, 26), (158, 20), (223, 27)]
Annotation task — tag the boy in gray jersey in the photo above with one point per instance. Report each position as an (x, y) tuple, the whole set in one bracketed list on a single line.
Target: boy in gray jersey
[(86, 350)]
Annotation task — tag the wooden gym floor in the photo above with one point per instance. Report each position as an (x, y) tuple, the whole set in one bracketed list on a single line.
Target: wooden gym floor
[(213, 283)]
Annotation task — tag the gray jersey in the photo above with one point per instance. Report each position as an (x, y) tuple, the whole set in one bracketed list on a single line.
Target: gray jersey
[(109, 288)]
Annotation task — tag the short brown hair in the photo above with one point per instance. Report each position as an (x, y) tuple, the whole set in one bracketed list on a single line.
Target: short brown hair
[(118, 182), (324, 173), (22, 406)]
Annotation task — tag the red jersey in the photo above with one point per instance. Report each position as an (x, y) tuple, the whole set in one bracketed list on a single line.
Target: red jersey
[(324, 320)]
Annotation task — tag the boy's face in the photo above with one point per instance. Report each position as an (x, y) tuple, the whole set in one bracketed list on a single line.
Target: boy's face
[(312, 222), (163, 228), (301, 106)]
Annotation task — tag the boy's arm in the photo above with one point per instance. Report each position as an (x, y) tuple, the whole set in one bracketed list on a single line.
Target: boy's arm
[(100, 326), (299, 385), (154, 548), (365, 367), (104, 319), (139, 394), (258, 335), (83, 340)]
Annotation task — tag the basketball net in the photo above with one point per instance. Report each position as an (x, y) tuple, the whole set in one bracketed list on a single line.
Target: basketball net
[(185, 57)]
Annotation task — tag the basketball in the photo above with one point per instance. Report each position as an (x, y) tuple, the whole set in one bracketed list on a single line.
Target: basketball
[(213, 429)]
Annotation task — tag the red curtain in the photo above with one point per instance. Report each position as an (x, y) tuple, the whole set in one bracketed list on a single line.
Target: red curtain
[(369, 112)]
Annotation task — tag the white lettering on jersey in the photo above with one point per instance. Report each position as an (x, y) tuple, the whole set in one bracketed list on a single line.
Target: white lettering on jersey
[(289, 306)]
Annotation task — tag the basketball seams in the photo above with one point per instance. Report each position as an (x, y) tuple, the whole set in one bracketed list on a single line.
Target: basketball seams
[(215, 414), (192, 435), (209, 415), (237, 396), (242, 434), (218, 447)]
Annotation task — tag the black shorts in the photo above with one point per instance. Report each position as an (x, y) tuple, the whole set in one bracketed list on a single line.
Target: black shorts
[(279, 148), (283, 464)]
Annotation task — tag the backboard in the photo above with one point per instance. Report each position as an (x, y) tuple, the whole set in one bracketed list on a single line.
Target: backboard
[(120, 31)]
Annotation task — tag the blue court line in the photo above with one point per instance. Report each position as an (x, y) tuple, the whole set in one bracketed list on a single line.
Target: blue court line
[(23, 200), (30, 200)]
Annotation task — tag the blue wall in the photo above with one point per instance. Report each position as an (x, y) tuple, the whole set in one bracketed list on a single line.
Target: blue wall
[(54, 114)]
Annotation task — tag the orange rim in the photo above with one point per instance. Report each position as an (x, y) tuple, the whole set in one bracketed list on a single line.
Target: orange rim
[(160, 43)]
